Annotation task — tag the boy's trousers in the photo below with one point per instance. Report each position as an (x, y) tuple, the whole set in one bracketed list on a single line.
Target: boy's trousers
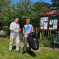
[(25, 44)]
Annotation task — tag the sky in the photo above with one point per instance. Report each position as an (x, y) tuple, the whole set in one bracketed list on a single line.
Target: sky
[(48, 1)]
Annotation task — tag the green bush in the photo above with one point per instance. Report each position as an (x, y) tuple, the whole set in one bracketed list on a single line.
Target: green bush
[(41, 45), (3, 33), (5, 26), (46, 41), (8, 36)]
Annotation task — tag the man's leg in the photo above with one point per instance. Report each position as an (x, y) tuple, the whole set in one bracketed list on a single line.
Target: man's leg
[(25, 45), (11, 41), (17, 42)]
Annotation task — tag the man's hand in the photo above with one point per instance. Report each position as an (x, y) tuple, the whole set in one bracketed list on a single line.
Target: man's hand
[(20, 29), (15, 28), (25, 36)]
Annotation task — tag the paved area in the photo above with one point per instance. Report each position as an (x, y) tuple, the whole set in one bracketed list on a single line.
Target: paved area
[(40, 48)]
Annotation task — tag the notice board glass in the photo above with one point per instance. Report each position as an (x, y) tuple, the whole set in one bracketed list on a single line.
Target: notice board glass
[(53, 23), (44, 22)]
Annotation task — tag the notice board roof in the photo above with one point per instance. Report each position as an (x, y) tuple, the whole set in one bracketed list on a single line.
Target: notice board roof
[(54, 12)]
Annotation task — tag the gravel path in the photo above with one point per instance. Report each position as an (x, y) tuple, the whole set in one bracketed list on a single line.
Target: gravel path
[(40, 48)]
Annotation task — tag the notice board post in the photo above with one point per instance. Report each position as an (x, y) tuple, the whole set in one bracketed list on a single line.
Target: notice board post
[(49, 21)]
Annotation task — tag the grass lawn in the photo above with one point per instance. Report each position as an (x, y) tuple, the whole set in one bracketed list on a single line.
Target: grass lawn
[(44, 54)]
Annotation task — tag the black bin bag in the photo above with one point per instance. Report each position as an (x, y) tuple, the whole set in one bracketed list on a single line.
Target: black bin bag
[(33, 40)]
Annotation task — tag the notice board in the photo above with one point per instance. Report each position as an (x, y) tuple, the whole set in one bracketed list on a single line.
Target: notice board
[(50, 23)]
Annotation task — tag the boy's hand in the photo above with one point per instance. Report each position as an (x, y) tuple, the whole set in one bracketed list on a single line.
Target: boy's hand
[(23, 32)]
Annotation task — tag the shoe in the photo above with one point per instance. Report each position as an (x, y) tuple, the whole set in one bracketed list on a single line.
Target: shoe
[(24, 52), (9, 51), (17, 51), (30, 52)]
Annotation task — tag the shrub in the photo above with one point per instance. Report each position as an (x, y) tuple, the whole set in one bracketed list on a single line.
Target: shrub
[(46, 41), (5, 26), (41, 45), (3, 33), (8, 36)]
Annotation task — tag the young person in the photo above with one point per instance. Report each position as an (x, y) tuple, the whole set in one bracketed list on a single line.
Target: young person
[(28, 28)]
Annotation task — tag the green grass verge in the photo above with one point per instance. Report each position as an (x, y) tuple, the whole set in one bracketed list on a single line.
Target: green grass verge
[(44, 54)]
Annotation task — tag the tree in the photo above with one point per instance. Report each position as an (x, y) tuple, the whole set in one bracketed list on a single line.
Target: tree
[(8, 13), (55, 4), (37, 9), (1, 6), (24, 9)]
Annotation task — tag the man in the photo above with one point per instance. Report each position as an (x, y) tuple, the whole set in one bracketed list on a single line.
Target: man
[(14, 28), (28, 28)]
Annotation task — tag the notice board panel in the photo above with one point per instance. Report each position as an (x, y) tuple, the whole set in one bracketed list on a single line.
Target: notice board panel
[(50, 22), (44, 22), (53, 24)]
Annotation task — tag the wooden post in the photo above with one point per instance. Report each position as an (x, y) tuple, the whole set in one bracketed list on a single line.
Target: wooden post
[(48, 33), (48, 21), (58, 26), (40, 34)]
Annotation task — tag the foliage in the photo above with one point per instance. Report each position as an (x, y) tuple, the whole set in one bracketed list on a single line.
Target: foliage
[(41, 45), (46, 40), (8, 36), (1, 4), (23, 10), (55, 4), (5, 26), (3, 33)]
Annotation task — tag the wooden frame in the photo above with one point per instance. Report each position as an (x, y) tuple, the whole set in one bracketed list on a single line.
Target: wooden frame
[(48, 22)]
